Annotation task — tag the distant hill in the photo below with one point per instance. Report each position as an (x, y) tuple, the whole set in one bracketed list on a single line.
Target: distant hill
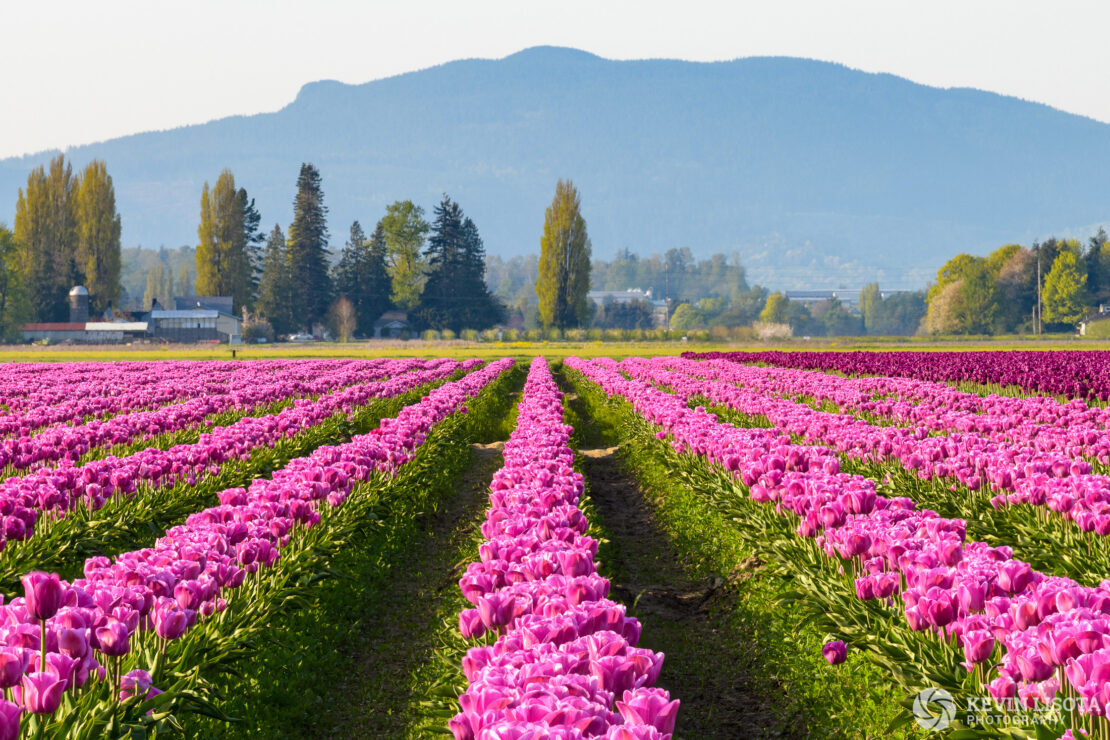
[(817, 174)]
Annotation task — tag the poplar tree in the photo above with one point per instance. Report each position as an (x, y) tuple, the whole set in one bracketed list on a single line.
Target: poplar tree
[(361, 276), (228, 226), (98, 236), (311, 286), (564, 269), (273, 285), (46, 231), (10, 293), (404, 228)]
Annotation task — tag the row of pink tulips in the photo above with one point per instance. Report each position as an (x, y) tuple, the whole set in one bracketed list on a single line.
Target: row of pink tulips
[(58, 490), (28, 385), (60, 635), (564, 665), (73, 442), (1021, 474), (1044, 424), (153, 384), (1054, 634)]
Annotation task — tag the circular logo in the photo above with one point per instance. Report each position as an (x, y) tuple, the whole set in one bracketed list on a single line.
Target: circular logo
[(934, 709)]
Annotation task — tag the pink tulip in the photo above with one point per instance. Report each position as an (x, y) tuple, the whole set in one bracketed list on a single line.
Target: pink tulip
[(42, 692), (43, 593)]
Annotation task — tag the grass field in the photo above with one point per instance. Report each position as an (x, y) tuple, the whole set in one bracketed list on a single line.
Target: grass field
[(551, 350)]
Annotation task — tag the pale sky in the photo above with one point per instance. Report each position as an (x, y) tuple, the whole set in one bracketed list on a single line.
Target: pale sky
[(76, 72)]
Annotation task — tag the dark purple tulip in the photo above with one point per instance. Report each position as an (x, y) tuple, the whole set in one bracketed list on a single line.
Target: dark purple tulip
[(44, 594), (835, 652), (12, 666)]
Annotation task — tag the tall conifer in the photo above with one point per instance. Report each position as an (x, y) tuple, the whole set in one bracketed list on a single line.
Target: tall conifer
[(455, 296), (273, 285), (361, 276), (311, 286)]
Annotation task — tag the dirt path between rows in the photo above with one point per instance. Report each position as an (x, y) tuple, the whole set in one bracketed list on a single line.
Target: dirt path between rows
[(689, 620), (393, 642), (680, 617)]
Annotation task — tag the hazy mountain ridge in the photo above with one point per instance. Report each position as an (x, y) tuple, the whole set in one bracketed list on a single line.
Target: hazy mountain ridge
[(817, 174)]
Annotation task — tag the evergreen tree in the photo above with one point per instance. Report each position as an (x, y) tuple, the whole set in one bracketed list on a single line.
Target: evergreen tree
[(346, 272), (564, 277), (46, 232), (224, 257), (1098, 267), (455, 295), (98, 236), (404, 228), (1064, 289), (361, 276), (273, 286), (253, 238), (310, 283)]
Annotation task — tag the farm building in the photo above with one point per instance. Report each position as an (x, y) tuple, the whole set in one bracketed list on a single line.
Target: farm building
[(192, 320), (391, 325), (197, 319), (80, 329), (660, 309)]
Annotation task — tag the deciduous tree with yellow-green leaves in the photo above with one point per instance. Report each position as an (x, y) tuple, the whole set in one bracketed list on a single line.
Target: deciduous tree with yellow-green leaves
[(564, 269), (1065, 289), (98, 236), (228, 231), (68, 232)]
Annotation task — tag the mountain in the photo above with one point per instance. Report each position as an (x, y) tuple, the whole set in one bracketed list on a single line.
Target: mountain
[(815, 173)]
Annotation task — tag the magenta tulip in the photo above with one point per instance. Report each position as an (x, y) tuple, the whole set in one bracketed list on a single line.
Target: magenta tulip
[(42, 692), (43, 593), (835, 652), (10, 714), (113, 638), (649, 707)]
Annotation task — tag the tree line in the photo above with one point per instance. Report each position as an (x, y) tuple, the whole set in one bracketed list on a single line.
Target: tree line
[(434, 272), (1051, 286), (66, 232)]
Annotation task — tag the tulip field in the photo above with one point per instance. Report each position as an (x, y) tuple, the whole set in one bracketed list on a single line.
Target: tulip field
[(818, 544)]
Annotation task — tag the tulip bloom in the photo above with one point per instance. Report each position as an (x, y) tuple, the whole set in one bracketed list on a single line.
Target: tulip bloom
[(10, 715), (42, 692), (43, 593), (835, 652), (114, 638), (13, 664)]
